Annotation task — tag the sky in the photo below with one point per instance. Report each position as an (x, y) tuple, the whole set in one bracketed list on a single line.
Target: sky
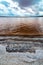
[(21, 8)]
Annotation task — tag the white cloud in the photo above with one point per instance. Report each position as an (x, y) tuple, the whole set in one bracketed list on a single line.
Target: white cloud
[(4, 9), (17, 11), (41, 13)]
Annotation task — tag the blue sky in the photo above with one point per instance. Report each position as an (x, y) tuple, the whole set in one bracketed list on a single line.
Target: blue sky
[(21, 8)]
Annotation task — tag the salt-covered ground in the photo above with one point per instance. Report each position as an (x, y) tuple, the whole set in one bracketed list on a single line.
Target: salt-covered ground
[(21, 58)]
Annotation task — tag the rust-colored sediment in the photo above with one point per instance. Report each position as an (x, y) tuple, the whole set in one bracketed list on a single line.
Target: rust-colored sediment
[(23, 29)]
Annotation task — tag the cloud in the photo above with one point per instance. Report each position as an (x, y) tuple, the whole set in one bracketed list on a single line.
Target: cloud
[(5, 3), (26, 3), (13, 8), (3, 10)]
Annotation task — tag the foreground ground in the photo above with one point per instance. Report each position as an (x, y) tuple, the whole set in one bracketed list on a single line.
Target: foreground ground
[(18, 58)]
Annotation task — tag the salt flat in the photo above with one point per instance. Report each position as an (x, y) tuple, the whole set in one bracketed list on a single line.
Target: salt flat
[(21, 58)]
